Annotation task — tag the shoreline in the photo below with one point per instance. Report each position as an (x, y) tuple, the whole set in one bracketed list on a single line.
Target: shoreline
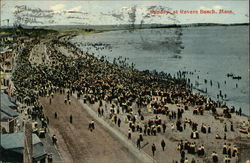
[(75, 35), (100, 74), (233, 103)]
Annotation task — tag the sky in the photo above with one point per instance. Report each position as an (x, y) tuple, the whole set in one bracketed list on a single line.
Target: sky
[(65, 12)]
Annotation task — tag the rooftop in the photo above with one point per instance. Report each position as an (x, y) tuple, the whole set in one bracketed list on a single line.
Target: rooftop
[(6, 100), (6, 104), (15, 142)]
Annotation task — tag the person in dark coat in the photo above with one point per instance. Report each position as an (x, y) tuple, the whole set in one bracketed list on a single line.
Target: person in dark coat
[(229, 151), (90, 127), (183, 154), (70, 119), (164, 127), (153, 149), (225, 127), (93, 124), (215, 157), (232, 126), (138, 143), (224, 149), (209, 129), (55, 115), (119, 122), (163, 144), (235, 151), (129, 134), (54, 139)]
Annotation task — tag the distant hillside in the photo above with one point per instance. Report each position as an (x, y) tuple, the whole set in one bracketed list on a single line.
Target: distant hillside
[(29, 32), (124, 26), (138, 26)]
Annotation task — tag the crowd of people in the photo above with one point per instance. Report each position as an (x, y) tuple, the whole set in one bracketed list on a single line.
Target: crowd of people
[(96, 80)]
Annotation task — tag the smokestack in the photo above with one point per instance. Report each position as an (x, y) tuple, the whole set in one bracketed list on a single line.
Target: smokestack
[(28, 151)]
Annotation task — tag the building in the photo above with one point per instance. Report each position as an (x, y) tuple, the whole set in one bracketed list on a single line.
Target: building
[(6, 65), (5, 57), (12, 147), (8, 113)]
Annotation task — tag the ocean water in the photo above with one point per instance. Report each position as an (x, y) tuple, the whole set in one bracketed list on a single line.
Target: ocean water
[(208, 52)]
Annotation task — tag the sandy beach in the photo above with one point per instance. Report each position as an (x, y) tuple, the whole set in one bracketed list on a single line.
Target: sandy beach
[(171, 137), (60, 73)]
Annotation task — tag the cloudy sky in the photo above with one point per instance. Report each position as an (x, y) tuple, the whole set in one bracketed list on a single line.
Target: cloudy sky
[(119, 12)]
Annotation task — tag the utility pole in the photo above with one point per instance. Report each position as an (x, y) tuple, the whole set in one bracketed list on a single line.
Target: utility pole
[(28, 150)]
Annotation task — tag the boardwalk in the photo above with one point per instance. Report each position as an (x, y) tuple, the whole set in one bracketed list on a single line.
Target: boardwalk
[(75, 142)]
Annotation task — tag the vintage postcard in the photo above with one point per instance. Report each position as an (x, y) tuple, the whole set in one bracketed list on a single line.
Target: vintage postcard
[(124, 81)]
